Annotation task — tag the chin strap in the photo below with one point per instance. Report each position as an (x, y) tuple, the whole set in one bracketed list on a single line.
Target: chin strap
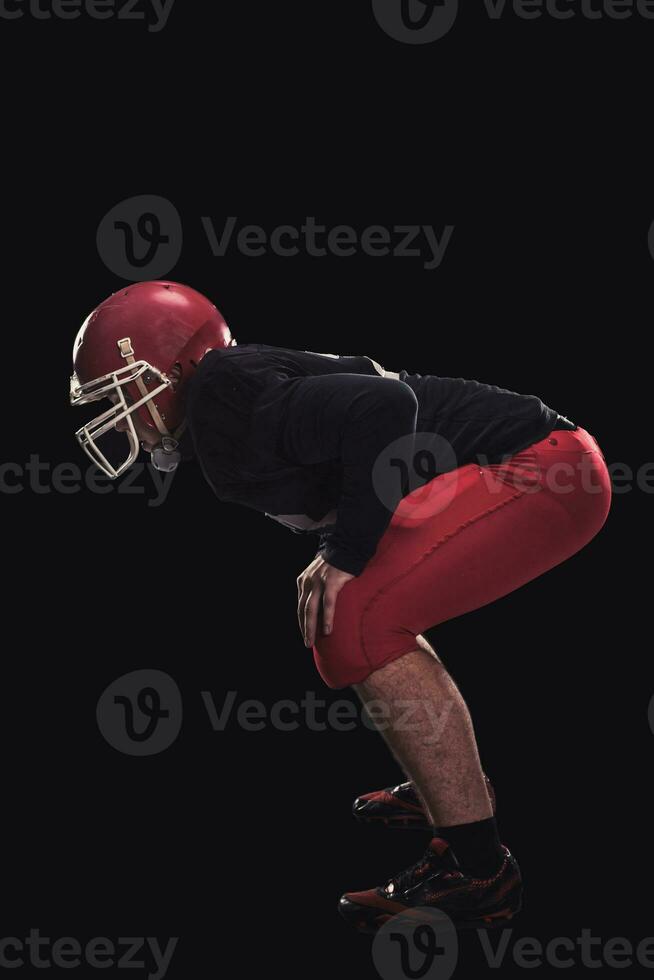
[(166, 457), (127, 353)]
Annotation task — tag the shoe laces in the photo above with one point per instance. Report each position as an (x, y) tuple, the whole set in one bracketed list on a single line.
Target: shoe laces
[(404, 880)]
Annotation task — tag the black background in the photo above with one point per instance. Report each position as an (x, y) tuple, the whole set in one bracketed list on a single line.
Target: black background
[(531, 138)]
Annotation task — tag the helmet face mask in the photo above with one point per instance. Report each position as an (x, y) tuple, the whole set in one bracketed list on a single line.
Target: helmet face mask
[(113, 386), (139, 348)]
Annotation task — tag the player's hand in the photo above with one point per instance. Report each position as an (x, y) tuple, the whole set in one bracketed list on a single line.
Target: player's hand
[(317, 588)]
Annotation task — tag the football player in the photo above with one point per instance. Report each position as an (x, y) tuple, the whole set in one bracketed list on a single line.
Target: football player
[(331, 445)]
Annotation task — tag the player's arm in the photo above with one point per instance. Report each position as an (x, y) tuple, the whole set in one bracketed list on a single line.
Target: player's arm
[(351, 418)]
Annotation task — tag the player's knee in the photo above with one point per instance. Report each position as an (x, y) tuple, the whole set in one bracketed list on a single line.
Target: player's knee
[(364, 638), (340, 657)]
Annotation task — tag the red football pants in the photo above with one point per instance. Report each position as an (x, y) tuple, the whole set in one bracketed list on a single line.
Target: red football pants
[(463, 540)]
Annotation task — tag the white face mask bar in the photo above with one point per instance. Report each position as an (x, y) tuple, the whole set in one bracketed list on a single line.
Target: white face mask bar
[(111, 385)]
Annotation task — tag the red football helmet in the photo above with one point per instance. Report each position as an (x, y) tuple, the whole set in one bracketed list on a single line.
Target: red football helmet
[(139, 349)]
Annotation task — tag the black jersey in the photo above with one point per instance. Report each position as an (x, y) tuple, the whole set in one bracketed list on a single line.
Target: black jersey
[(296, 434)]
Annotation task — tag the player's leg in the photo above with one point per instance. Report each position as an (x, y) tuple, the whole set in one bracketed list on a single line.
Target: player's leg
[(401, 806), (427, 726), (499, 531), (465, 872), (494, 534)]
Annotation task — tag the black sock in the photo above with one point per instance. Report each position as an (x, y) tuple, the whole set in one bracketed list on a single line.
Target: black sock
[(476, 845)]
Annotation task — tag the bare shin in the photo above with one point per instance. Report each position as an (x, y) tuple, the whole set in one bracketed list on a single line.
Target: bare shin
[(420, 712)]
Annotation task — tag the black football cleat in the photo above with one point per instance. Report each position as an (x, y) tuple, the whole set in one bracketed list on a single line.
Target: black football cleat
[(398, 807), (436, 883)]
